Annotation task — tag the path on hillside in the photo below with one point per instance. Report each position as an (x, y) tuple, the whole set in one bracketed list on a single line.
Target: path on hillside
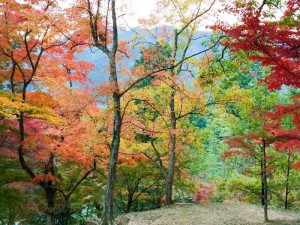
[(212, 214)]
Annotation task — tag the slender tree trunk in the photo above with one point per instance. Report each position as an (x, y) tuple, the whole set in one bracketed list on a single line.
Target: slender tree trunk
[(172, 142), (287, 187), (172, 160), (63, 217), (170, 177), (50, 200), (115, 145), (20, 148), (262, 181), (114, 152), (10, 220), (129, 202), (98, 209), (50, 218), (266, 219)]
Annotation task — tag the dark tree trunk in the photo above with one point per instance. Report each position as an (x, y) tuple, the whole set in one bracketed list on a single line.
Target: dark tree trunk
[(63, 217), (99, 209), (262, 181), (114, 152), (50, 218), (170, 177), (129, 202), (265, 181), (50, 195), (287, 187), (172, 160), (172, 143), (20, 149), (10, 220), (115, 145)]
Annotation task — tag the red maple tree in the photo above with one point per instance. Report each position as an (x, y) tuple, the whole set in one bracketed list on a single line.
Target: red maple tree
[(273, 41), (34, 54)]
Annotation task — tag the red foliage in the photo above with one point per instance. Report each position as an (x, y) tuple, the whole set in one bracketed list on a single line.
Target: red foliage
[(275, 44), (23, 186), (242, 145), (204, 193), (8, 152), (291, 109), (228, 154), (131, 158), (44, 178), (296, 165), (272, 44), (285, 138)]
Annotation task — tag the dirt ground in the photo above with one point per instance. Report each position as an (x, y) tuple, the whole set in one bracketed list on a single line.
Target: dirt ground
[(211, 214)]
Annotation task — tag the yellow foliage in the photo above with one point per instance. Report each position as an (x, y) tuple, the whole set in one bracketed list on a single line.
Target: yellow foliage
[(11, 105)]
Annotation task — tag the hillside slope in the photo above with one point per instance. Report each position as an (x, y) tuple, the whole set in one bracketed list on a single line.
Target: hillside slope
[(212, 214)]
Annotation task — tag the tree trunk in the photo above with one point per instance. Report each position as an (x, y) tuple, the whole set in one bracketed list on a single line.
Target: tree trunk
[(287, 188), (115, 145), (114, 152), (266, 219), (50, 218), (99, 208), (129, 202), (50, 193), (172, 143), (262, 181), (63, 217), (171, 170), (10, 220), (170, 177), (20, 149)]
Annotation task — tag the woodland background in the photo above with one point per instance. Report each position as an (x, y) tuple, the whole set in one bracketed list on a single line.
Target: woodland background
[(98, 119)]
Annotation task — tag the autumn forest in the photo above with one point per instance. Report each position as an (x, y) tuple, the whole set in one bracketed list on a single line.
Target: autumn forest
[(98, 118)]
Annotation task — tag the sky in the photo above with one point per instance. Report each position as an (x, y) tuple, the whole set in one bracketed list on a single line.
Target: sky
[(135, 8), (138, 9), (143, 8)]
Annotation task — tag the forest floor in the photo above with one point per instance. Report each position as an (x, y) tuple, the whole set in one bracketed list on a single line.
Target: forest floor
[(210, 214)]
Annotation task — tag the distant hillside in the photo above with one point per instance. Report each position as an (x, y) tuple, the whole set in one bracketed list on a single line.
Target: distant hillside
[(101, 63)]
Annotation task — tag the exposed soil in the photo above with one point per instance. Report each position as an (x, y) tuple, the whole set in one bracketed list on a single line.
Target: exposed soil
[(211, 214)]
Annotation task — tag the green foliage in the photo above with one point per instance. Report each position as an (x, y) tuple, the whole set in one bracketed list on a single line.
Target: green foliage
[(237, 177), (212, 142), (154, 57), (16, 200), (139, 187)]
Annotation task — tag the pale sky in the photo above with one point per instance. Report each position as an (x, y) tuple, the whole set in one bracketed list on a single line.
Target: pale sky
[(143, 8), (135, 8), (138, 9)]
